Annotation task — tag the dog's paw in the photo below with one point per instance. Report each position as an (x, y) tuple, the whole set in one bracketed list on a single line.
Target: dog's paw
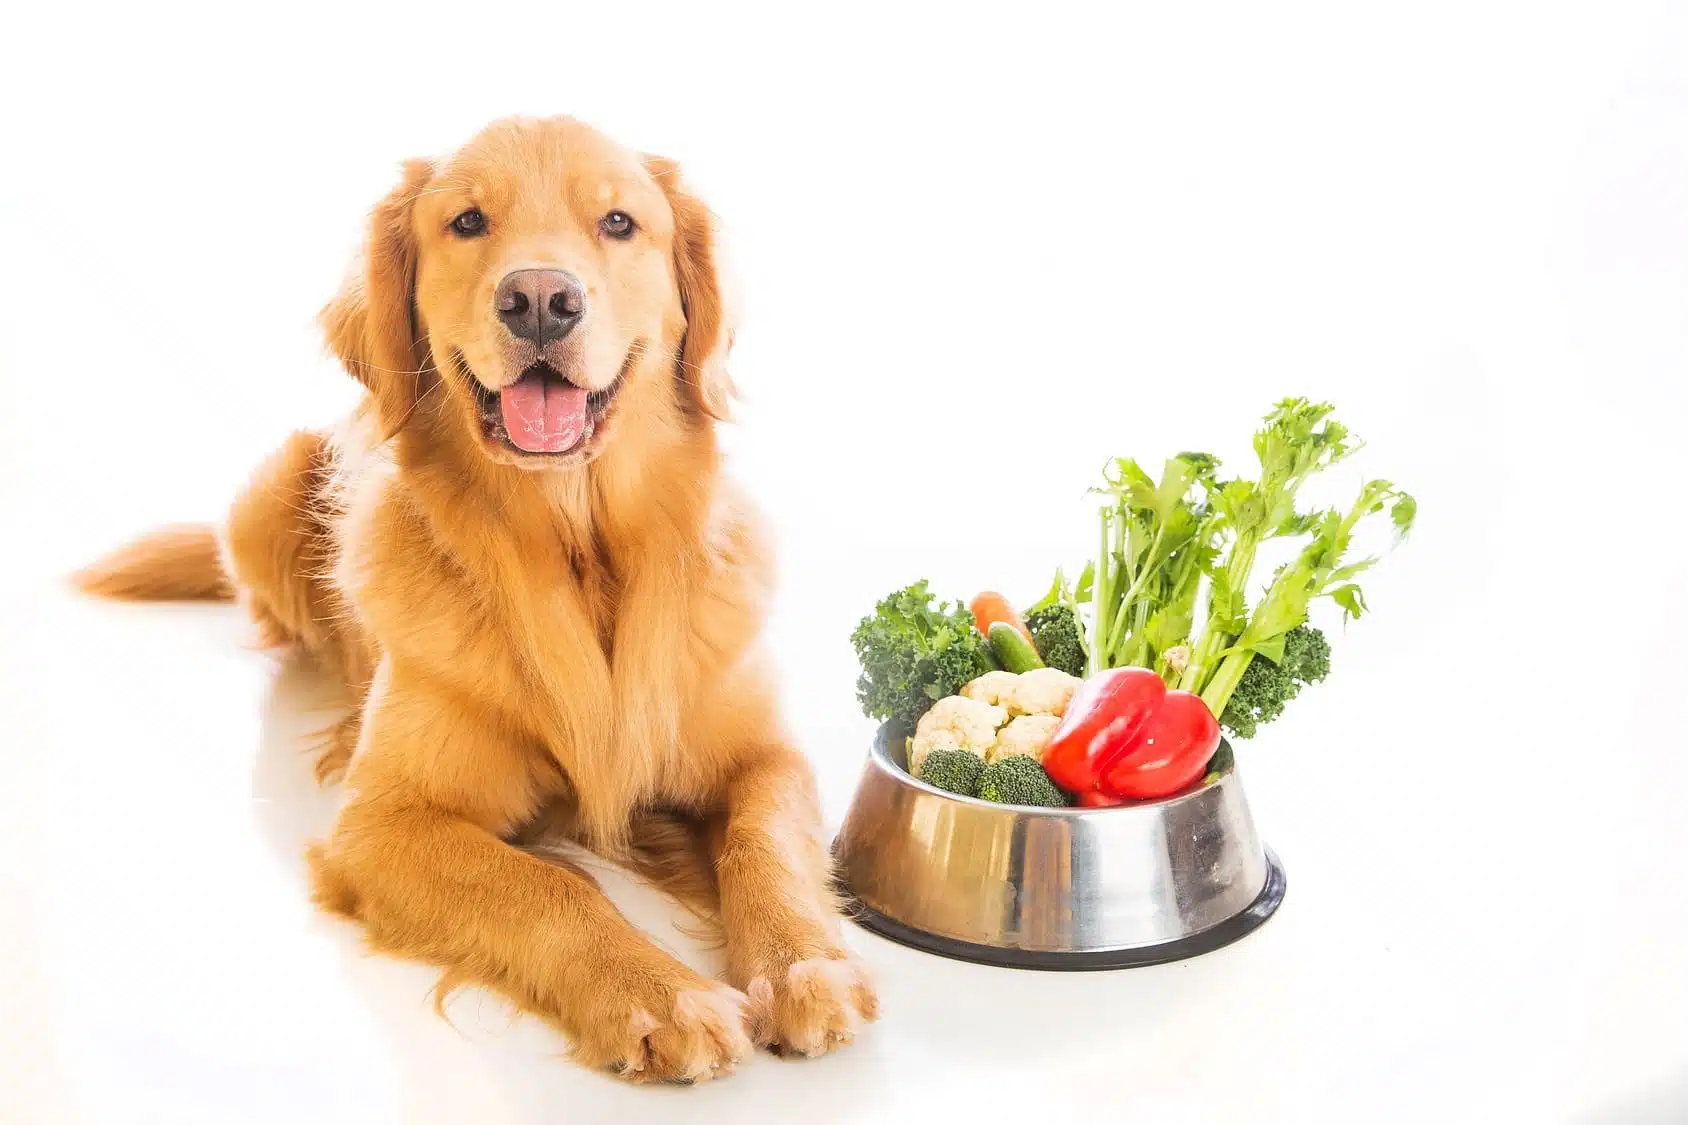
[(670, 1031), (812, 1007)]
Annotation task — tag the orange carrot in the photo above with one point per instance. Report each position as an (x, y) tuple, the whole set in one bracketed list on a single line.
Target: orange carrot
[(990, 607)]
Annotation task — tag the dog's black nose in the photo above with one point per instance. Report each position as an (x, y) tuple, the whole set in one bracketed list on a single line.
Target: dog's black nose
[(540, 305)]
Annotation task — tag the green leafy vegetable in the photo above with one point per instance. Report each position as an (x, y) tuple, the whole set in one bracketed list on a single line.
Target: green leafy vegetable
[(1158, 538), (913, 652), (1297, 439), (1319, 571), (1166, 539)]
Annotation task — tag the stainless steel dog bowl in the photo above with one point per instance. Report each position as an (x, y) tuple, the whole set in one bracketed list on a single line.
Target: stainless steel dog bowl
[(1052, 888)]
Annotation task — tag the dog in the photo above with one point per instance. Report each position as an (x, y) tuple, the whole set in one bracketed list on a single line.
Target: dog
[(521, 552)]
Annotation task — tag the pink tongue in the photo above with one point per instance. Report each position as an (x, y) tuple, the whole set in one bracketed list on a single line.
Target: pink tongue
[(543, 415)]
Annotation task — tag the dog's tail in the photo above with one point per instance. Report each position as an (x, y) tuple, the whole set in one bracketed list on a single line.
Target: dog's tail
[(178, 563)]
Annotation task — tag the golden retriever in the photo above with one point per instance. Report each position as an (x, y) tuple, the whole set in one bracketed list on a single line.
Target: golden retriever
[(522, 552)]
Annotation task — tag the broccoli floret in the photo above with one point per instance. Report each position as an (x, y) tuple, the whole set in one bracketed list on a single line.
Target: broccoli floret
[(953, 771), (914, 653), (1266, 687), (1019, 780), (1059, 640)]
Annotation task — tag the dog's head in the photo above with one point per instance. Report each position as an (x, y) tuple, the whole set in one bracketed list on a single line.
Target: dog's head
[(542, 279)]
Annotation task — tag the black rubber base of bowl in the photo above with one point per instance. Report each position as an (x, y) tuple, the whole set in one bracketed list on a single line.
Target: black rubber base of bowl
[(1214, 937)]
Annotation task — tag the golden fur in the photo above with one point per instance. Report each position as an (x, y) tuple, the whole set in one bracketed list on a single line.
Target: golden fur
[(543, 638)]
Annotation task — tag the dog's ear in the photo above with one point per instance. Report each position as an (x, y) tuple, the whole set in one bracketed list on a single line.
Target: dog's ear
[(371, 323), (702, 368)]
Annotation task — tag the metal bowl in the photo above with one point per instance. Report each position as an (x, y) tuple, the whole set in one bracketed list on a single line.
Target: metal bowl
[(1052, 888)]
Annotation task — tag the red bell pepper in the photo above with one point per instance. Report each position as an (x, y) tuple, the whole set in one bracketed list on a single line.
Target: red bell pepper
[(1125, 737), (1172, 749), (1103, 716)]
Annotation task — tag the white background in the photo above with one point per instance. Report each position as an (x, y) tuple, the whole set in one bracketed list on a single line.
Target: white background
[(981, 250)]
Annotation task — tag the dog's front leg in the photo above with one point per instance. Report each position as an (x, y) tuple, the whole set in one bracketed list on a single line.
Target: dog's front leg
[(780, 915), (416, 858)]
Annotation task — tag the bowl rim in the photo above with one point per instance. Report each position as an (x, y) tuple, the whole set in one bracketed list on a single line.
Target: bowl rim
[(880, 754)]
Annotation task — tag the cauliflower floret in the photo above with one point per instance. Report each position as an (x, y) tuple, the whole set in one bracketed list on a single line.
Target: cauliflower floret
[(1042, 691), (1025, 737), (992, 687), (955, 723), (923, 744)]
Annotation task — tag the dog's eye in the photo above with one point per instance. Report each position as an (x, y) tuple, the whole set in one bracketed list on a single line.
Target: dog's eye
[(469, 223), (617, 224)]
